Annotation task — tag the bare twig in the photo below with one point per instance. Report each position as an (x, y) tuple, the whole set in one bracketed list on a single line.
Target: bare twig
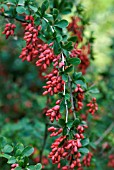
[(104, 134), (63, 60), (44, 142), (72, 101)]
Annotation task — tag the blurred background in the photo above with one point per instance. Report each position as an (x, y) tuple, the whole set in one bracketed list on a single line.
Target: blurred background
[(21, 101)]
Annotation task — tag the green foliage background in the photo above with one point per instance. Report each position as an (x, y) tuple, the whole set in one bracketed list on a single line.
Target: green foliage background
[(19, 85)]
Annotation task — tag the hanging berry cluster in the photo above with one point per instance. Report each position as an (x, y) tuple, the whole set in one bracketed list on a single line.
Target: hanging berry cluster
[(9, 30), (111, 161), (57, 59), (77, 29)]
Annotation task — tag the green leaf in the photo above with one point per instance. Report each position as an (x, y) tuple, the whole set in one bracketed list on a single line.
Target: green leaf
[(77, 75), (44, 7), (73, 39), (12, 2), (76, 122), (66, 53), (92, 145), (5, 156), (35, 167), (65, 131), (55, 13), (20, 9), (7, 149), (32, 167), (85, 142), (3, 141), (21, 2), (11, 160), (93, 90), (4, 6), (33, 8), (65, 77), (18, 152), (62, 24), (28, 151), (67, 96), (83, 150), (68, 46), (69, 124), (38, 166), (82, 83), (74, 61), (57, 48), (62, 106), (20, 146), (61, 122), (66, 11), (69, 69)]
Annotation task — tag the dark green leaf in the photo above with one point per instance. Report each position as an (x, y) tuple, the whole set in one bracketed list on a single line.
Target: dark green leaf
[(69, 69), (64, 131), (55, 13), (74, 61), (57, 48), (44, 7), (62, 106), (68, 46), (85, 142), (73, 39), (62, 24), (61, 122), (77, 75), (76, 122)]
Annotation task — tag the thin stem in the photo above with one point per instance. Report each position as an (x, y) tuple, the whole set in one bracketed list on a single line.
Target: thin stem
[(44, 142), (104, 134), (48, 22), (71, 95), (63, 60)]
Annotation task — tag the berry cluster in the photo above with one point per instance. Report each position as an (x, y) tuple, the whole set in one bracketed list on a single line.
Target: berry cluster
[(54, 113), (111, 161), (87, 159), (82, 54), (85, 51), (69, 148), (31, 37), (54, 83), (76, 27), (9, 29), (93, 107), (79, 97), (55, 131)]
